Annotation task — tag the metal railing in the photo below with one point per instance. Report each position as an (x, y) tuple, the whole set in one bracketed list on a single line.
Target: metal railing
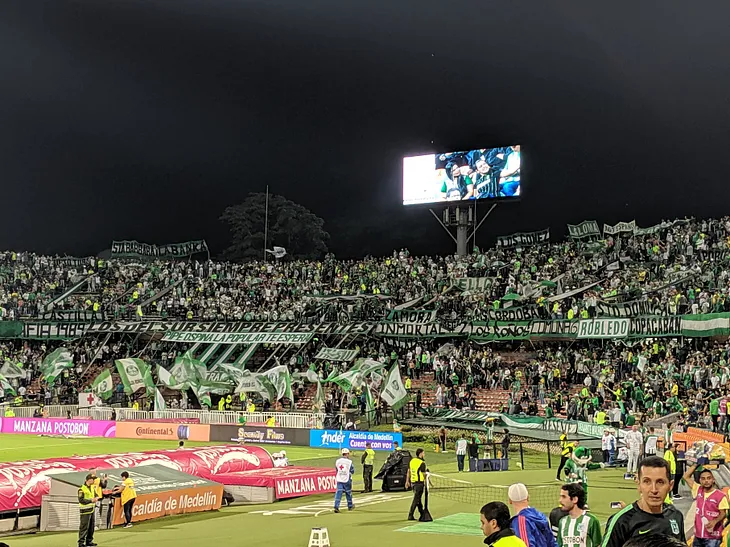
[(51, 411), (294, 420)]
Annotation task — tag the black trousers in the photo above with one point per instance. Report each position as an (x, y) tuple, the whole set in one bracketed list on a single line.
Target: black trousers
[(86, 529), (563, 461), (367, 477), (128, 511), (418, 488), (677, 478)]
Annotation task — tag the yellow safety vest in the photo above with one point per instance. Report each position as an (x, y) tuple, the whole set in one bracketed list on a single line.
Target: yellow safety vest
[(416, 475), (99, 493), (369, 456), (564, 445), (87, 507)]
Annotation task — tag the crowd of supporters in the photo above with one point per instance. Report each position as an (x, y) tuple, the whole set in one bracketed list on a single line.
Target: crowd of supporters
[(626, 266)]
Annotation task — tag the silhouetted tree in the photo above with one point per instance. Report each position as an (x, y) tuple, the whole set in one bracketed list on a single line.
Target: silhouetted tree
[(291, 226)]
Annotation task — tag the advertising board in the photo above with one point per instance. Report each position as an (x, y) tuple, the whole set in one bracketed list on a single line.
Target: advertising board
[(52, 426), (354, 440), (260, 434), (163, 431)]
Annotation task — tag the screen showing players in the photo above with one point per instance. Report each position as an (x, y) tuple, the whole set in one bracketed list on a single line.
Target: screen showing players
[(485, 173)]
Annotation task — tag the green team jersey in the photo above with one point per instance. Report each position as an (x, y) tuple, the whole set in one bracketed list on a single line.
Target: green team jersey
[(584, 531), (575, 473)]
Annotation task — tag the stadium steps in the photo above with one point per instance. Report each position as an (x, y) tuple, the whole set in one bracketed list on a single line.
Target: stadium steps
[(486, 399)]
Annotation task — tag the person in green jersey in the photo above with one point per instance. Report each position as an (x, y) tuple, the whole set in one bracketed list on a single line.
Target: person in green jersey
[(578, 528)]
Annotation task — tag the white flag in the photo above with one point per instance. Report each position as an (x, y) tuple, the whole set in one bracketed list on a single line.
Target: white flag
[(278, 252), (394, 392), (159, 400)]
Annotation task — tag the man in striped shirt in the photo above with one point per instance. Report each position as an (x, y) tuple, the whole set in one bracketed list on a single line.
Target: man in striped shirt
[(578, 528)]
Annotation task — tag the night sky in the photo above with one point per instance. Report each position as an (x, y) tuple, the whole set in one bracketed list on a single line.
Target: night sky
[(144, 120)]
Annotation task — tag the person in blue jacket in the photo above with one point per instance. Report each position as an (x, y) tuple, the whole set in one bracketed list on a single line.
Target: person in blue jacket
[(529, 524)]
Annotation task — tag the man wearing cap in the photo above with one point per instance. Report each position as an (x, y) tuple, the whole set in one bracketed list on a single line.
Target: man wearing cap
[(529, 524), (345, 469), (87, 505)]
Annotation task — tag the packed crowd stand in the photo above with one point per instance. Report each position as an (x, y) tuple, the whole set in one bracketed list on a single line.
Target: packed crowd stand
[(645, 378), (284, 289)]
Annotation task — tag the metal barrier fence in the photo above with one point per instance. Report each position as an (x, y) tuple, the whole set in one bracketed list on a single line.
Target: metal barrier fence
[(52, 411), (295, 420)]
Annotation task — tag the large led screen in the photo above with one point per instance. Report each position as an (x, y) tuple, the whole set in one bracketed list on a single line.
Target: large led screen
[(485, 173)]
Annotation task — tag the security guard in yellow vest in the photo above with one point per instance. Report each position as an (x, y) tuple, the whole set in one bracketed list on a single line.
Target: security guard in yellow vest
[(87, 504), (565, 449), (417, 477), (222, 404), (9, 412), (229, 401), (368, 460)]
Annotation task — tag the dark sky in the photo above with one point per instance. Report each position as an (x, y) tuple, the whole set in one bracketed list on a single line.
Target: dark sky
[(144, 120)]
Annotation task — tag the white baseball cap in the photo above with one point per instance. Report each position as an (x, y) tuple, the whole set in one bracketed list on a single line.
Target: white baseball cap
[(345, 451), (517, 492)]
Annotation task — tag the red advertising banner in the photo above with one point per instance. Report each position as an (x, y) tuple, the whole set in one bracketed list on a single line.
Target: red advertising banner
[(23, 484)]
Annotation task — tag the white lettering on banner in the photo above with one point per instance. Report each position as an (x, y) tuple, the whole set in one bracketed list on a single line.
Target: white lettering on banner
[(43, 427), (473, 284), (334, 354), (635, 308), (603, 328), (524, 238), (238, 338), (305, 485), (584, 229), (199, 500)]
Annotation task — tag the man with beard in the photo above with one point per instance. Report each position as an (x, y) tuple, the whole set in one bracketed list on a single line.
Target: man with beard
[(712, 506), (578, 528)]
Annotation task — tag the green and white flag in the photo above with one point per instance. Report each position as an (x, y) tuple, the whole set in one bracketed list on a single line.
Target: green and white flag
[(166, 379), (319, 399), (6, 387), (203, 396), (159, 401), (55, 363), (369, 403), (134, 374), (281, 380), (250, 382), (103, 385), (11, 370), (394, 392)]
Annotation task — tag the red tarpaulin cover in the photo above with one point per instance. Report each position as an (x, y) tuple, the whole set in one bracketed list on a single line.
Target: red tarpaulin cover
[(22, 484), (288, 482)]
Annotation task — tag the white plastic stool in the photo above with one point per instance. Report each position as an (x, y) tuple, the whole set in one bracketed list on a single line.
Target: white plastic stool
[(319, 537)]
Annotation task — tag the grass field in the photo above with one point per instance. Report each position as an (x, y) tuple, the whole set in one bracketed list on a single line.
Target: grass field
[(378, 519)]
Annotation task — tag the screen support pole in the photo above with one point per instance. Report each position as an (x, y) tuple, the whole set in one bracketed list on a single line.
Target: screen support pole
[(443, 226)]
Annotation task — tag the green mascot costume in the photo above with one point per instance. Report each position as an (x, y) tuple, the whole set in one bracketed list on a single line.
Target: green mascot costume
[(577, 465)]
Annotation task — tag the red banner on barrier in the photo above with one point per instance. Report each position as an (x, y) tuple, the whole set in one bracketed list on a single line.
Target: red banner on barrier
[(23, 484)]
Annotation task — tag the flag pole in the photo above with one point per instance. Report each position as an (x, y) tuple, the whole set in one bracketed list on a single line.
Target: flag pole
[(266, 221)]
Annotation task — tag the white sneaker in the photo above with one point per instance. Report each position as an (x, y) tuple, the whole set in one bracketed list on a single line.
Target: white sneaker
[(128, 525)]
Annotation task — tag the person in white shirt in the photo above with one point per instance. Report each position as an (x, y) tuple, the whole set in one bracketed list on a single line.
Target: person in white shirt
[(608, 446), (461, 445), (345, 469), (634, 440)]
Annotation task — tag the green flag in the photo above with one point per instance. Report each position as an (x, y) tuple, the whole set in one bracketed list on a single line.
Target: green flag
[(319, 399), (159, 400), (134, 374), (7, 388), (166, 379), (394, 392), (369, 403), (203, 396), (281, 381), (55, 363), (11, 370), (103, 385)]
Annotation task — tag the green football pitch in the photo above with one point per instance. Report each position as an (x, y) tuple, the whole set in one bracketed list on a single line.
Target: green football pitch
[(378, 518)]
